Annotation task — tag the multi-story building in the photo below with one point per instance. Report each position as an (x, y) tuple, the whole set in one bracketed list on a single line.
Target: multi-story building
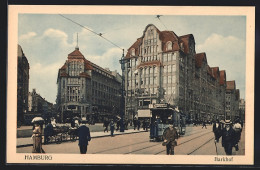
[(242, 104), (22, 85), (38, 106), (164, 68), (86, 89), (230, 99)]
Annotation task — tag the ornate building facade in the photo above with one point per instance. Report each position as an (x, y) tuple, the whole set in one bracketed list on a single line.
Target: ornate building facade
[(162, 67), (86, 89)]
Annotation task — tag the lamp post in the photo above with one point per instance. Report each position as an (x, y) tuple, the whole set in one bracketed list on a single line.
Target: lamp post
[(122, 110)]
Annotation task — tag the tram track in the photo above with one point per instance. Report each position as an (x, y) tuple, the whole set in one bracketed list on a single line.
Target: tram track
[(164, 150), (186, 141), (143, 142), (201, 146)]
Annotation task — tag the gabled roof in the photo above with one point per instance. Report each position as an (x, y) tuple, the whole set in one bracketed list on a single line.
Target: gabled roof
[(231, 85), (135, 46), (199, 58), (166, 36), (76, 54), (215, 72), (88, 64), (185, 39), (222, 78)]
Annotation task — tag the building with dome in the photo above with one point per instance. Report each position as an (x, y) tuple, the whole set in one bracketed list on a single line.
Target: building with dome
[(87, 90)]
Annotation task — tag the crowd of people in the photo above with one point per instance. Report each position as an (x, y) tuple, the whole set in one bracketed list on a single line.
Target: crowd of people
[(230, 133)]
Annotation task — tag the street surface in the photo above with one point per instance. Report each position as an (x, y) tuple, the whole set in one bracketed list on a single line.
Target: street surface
[(196, 141)]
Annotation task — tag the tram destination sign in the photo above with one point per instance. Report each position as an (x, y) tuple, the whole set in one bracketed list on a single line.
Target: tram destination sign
[(161, 105)]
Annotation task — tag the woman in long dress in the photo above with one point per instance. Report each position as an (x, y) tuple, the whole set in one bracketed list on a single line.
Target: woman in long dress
[(37, 139)]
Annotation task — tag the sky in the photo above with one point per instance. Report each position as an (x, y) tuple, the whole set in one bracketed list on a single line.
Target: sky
[(47, 39)]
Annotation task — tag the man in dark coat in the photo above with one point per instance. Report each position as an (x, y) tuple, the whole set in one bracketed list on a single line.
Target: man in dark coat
[(169, 136), (138, 124), (106, 123), (117, 124), (135, 123), (228, 137), (204, 124), (112, 128), (217, 130), (48, 131), (84, 138)]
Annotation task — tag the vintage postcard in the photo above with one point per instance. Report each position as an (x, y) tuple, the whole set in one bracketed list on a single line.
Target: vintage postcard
[(130, 85)]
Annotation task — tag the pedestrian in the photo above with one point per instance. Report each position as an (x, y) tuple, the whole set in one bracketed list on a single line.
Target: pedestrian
[(37, 139), (126, 124), (112, 128), (48, 131), (169, 139), (53, 122), (84, 138), (238, 129), (146, 124), (117, 124), (143, 124), (204, 124), (138, 124), (106, 123), (228, 137), (217, 130), (135, 123), (72, 124)]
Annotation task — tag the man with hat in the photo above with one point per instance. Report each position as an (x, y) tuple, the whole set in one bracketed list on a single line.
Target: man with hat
[(228, 137), (84, 138), (217, 130), (169, 136)]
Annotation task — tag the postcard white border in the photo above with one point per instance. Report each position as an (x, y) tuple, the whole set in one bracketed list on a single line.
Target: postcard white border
[(14, 10)]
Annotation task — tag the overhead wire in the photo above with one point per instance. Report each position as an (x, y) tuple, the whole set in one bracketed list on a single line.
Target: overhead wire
[(158, 17), (98, 34)]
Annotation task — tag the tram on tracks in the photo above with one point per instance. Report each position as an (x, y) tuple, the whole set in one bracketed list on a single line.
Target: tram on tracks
[(162, 115)]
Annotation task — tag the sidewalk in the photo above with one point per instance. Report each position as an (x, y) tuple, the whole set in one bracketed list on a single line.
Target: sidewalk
[(24, 142)]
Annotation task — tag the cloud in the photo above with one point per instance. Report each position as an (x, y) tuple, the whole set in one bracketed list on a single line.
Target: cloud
[(43, 78), (45, 48), (109, 59), (228, 53), (27, 36)]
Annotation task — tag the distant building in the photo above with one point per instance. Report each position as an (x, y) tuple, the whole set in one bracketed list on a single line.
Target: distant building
[(231, 100), (38, 106), (87, 90), (242, 108), (162, 67), (22, 85)]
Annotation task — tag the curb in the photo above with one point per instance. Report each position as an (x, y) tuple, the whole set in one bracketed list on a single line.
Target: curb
[(108, 135)]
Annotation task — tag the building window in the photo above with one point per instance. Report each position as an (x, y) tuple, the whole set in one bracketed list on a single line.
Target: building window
[(164, 79), (169, 79), (133, 52), (173, 67), (169, 46), (165, 69)]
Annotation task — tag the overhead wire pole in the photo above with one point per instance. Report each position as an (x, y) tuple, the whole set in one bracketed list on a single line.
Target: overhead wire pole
[(158, 17), (122, 62)]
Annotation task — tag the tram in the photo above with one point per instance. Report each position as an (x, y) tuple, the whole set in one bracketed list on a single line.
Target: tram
[(162, 117)]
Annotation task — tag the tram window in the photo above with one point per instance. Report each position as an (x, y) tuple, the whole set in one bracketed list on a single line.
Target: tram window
[(146, 103)]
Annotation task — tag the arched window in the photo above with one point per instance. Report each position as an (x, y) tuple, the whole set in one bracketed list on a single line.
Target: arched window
[(169, 45)]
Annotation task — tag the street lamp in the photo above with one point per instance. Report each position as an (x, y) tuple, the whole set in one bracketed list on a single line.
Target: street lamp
[(122, 62)]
